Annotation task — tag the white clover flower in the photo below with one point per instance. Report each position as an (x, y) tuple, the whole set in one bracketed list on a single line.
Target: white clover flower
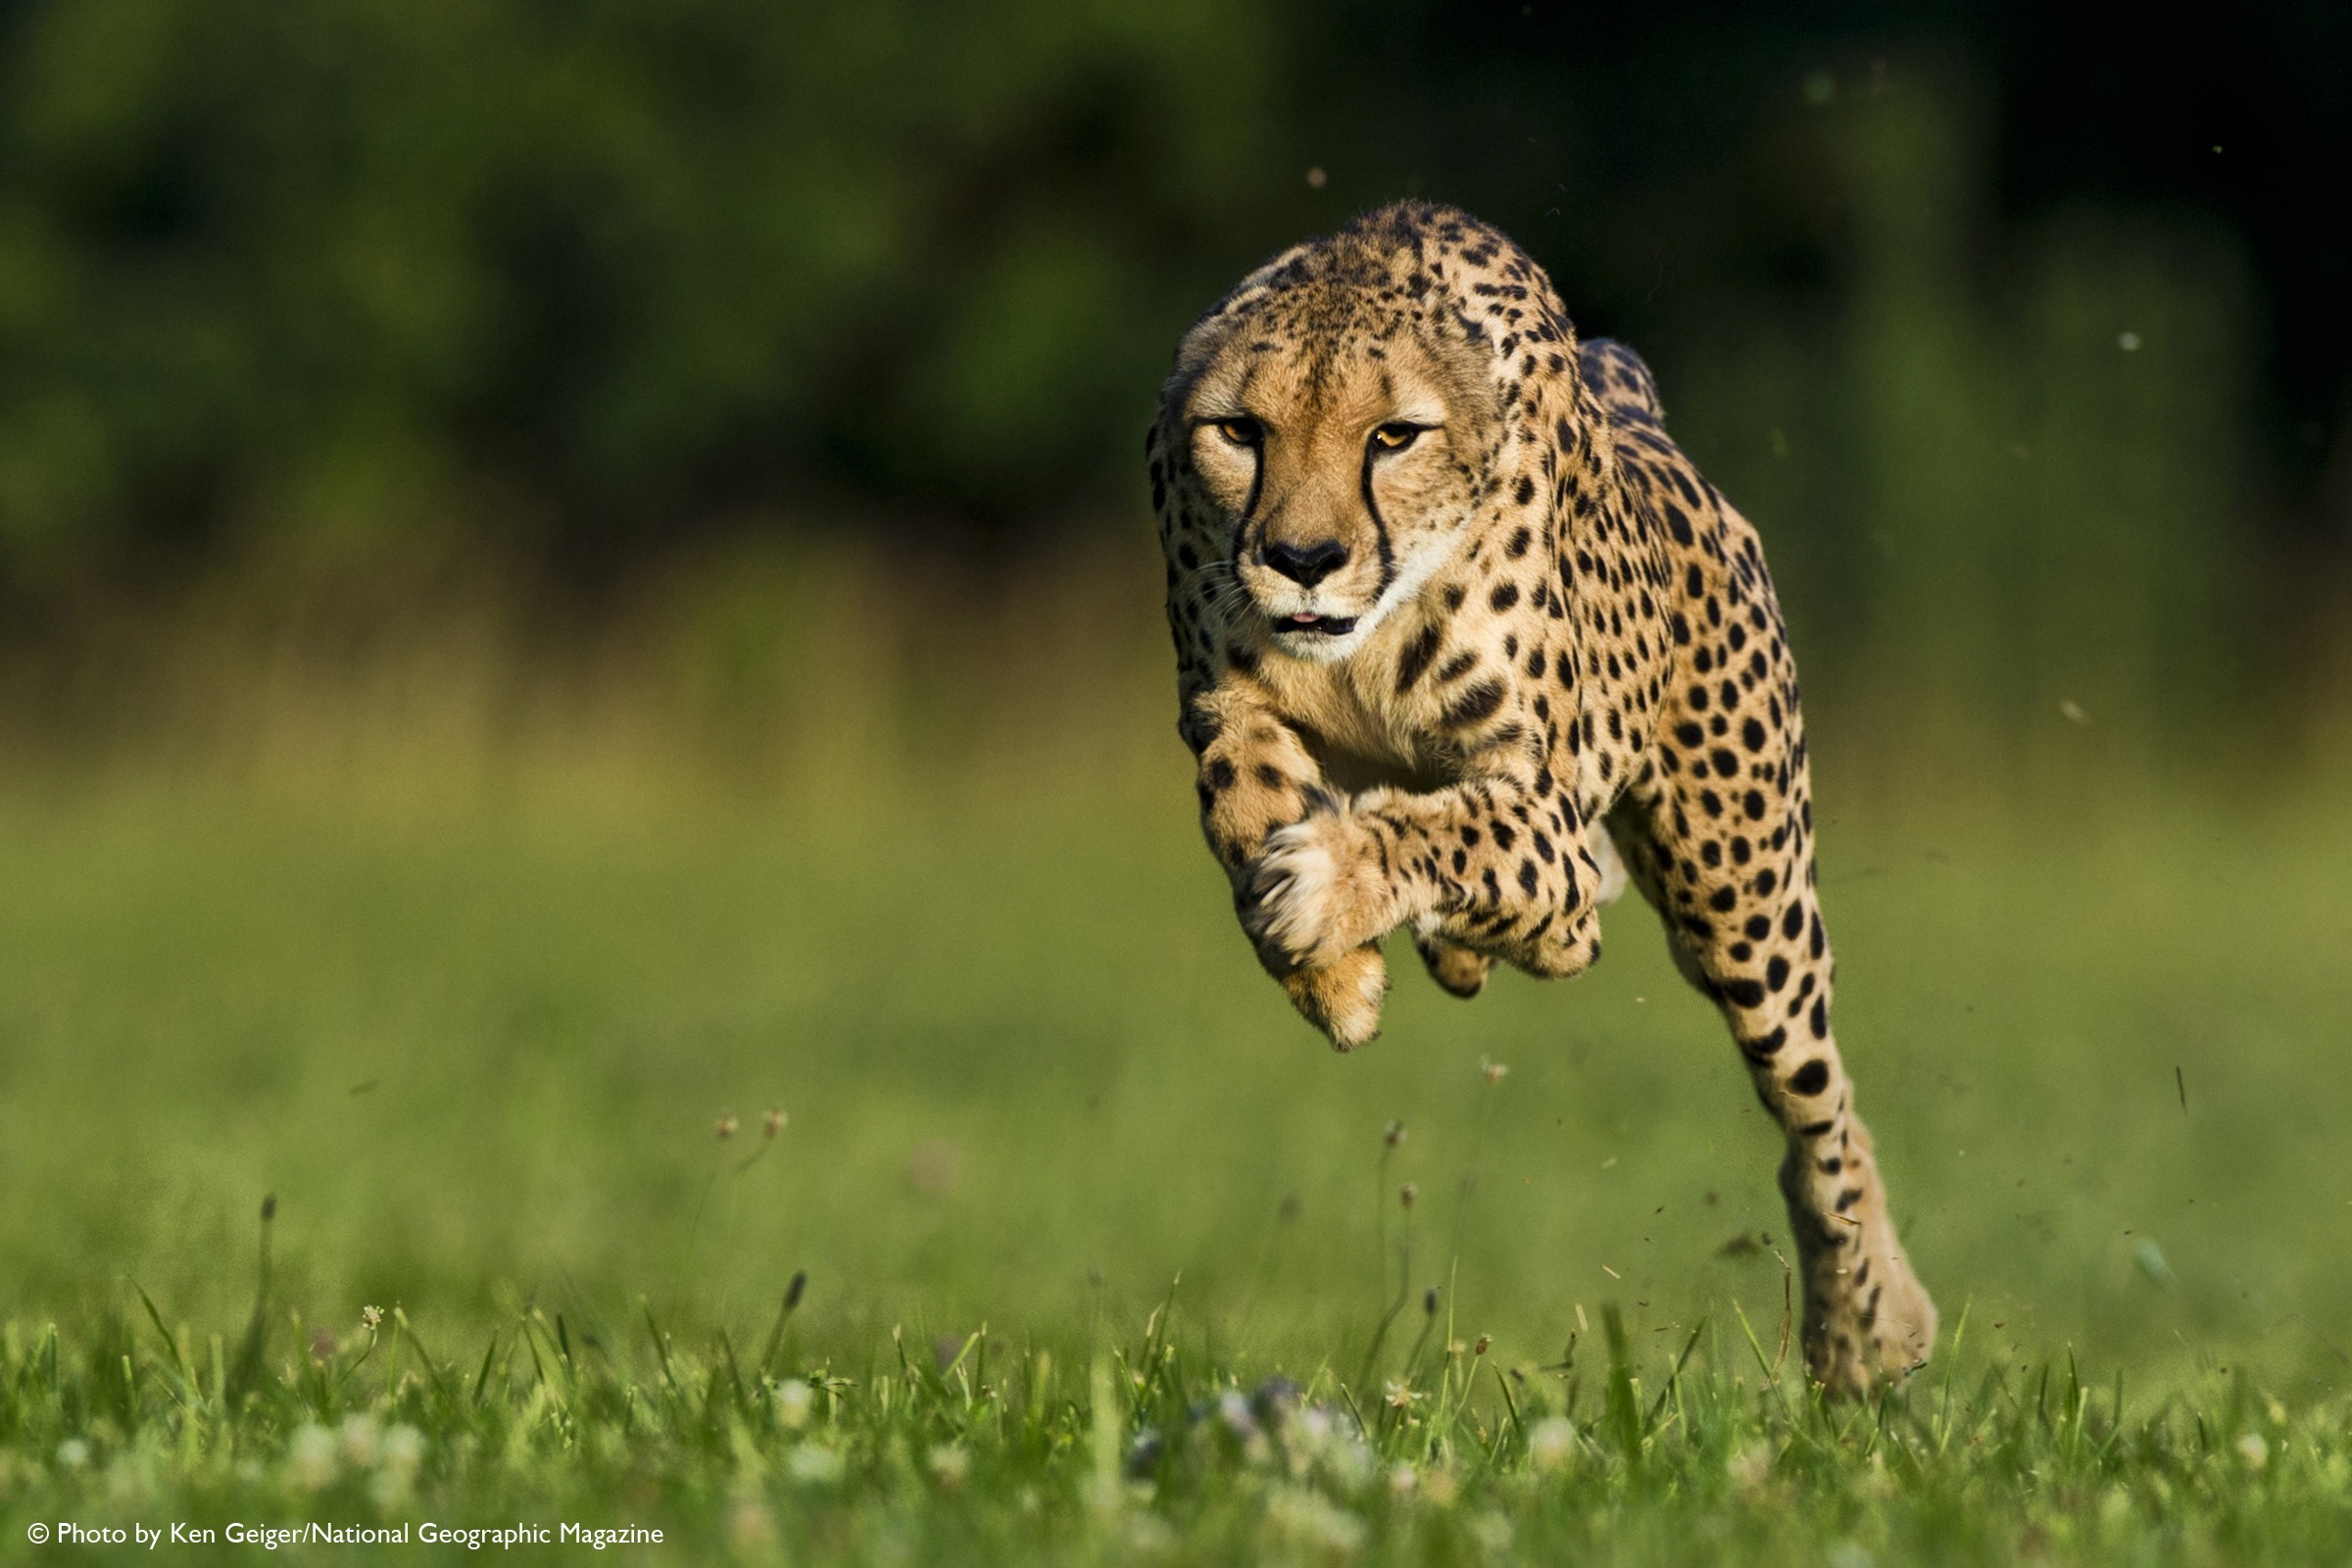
[(1551, 1444), (1148, 1534), (1490, 1531), (311, 1457), (750, 1525), (359, 1440), (403, 1450), (950, 1464), (812, 1464), (1750, 1467), (794, 1396), (1310, 1519)]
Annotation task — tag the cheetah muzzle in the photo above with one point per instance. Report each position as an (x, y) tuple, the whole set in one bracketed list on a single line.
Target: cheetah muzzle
[(1464, 644)]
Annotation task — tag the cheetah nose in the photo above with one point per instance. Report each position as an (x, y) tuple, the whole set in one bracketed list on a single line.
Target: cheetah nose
[(1305, 566)]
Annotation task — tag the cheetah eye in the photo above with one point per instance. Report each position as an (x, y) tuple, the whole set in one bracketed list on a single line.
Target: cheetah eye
[(1240, 432), (1396, 436)]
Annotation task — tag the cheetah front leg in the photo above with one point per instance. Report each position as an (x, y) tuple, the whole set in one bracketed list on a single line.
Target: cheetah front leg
[(1495, 867), (1461, 969), (1732, 874), (1257, 777)]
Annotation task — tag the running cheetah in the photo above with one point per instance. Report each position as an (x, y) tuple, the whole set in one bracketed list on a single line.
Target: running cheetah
[(1463, 643)]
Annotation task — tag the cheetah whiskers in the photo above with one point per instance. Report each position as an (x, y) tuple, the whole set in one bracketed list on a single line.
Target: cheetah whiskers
[(1225, 593)]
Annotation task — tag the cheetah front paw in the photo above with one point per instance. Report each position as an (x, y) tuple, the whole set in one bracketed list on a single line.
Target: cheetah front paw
[(1343, 999), (1318, 893)]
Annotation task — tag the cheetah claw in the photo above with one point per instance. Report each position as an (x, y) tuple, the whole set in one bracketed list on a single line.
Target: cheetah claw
[(1315, 896)]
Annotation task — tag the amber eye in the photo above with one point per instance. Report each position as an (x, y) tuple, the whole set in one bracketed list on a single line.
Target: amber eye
[(1240, 432), (1395, 437)]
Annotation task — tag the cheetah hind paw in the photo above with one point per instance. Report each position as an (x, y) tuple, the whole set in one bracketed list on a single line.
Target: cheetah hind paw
[(1854, 1347), (1460, 970), (1343, 999)]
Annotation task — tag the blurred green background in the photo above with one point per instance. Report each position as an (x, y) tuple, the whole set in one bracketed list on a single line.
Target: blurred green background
[(565, 570)]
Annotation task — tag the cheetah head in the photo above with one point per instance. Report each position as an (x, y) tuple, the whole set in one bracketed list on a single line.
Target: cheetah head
[(1338, 433)]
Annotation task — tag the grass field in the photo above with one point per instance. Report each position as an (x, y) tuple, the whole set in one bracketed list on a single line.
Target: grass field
[(1097, 1240)]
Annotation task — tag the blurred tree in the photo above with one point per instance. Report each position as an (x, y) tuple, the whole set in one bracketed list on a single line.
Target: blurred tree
[(311, 268), (336, 281)]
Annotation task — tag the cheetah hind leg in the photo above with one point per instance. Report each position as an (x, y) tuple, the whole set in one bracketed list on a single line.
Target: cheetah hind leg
[(1463, 970), (1455, 968)]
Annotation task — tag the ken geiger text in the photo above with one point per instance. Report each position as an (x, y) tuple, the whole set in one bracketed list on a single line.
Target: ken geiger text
[(270, 1538)]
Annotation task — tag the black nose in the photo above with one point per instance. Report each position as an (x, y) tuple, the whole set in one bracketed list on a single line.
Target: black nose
[(1308, 567)]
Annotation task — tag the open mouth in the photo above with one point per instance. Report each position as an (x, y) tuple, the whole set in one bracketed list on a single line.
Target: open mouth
[(1320, 626)]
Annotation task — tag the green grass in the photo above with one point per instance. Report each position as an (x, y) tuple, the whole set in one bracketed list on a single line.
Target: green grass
[(1033, 1077)]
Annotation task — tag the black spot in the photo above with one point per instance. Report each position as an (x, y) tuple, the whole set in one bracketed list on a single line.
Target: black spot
[(1506, 595), (1794, 922), (1812, 1078), (1742, 993), (1754, 805), (1220, 775), (1758, 928), (1820, 1019), (1751, 734), (1690, 734), (1776, 973), (1525, 494), (1271, 776), (1479, 703), (1722, 900), (1506, 835), (1527, 877), (1726, 764), (1416, 657)]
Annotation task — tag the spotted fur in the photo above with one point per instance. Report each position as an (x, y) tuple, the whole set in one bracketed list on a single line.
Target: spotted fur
[(1462, 640)]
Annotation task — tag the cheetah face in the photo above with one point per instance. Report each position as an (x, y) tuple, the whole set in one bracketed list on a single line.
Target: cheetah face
[(1344, 479)]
